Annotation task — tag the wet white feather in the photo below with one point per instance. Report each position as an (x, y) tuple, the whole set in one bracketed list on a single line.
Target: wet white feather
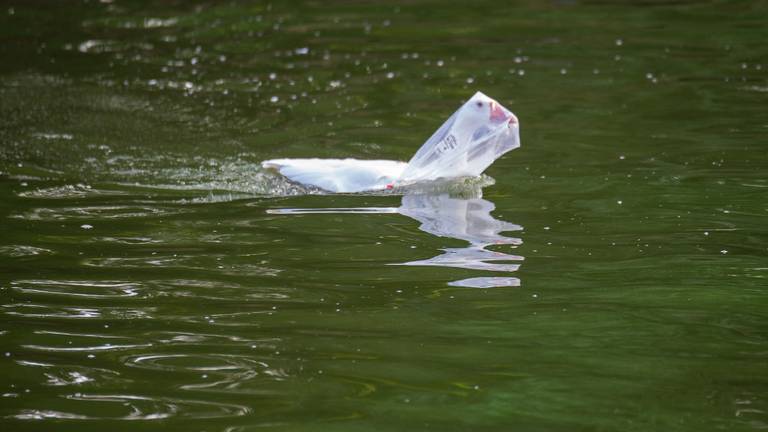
[(339, 175)]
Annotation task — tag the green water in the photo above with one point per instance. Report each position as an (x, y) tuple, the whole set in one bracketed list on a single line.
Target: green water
[(153, 277)]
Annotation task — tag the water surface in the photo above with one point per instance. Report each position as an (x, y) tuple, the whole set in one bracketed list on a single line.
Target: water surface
[(608, 275)]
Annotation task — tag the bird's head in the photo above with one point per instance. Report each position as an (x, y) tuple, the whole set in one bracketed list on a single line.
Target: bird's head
[(480, 110)]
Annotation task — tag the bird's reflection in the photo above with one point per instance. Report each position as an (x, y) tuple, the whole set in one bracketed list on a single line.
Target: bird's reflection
[(466, 219), (464, 216)]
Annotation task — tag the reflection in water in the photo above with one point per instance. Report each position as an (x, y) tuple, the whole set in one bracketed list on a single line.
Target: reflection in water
[(467, 219)]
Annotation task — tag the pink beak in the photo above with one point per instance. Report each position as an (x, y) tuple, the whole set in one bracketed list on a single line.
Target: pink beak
[(498, 114)]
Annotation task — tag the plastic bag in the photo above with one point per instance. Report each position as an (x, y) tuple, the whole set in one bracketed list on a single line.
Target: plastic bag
[(465, 145)]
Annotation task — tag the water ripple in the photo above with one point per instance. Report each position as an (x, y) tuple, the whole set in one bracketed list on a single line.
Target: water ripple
[(59, 375), (197, 338), (216, 371), (15, 251), (129, 240), (104, 347), (215, 263), (136, 407), (157, 362), (69, 191), (93, 212), (138, 291), (35, 414), (62, 378), (27, 310), (78, 288)]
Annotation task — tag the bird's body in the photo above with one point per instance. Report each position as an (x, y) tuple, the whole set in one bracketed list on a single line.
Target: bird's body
[(465, 145), (340, 175)]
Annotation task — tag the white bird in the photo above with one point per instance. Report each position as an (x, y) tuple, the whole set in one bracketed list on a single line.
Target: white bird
[(477, 134)]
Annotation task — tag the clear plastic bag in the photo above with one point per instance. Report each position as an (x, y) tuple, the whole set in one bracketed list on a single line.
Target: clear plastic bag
[(465, 145)]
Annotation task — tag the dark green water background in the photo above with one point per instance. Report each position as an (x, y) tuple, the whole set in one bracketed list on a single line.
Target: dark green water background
[(149, 279)]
